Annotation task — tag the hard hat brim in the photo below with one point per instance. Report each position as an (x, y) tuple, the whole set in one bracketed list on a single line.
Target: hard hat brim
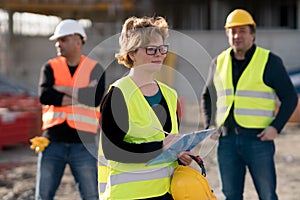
[(55, 37), (238, 24)]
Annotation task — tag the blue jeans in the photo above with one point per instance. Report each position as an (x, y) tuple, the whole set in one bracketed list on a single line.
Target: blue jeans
[(52, 163), (238, 151)]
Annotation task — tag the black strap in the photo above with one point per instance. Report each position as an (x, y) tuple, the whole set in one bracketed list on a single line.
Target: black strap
[(200, 162)]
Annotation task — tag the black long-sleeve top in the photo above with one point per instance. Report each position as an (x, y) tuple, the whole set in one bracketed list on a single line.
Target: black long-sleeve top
[(90, 96), (275, 76), (115, 126)]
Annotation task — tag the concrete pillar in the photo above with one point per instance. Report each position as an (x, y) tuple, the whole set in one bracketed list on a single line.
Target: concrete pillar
[(214, 14), (5, 35), (218, 13), (298, 15)]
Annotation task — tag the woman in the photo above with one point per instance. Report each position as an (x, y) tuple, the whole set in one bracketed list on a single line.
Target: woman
[(135, 112)]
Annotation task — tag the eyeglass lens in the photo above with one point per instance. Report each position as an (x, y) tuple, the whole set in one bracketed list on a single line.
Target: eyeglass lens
[(163, 49)]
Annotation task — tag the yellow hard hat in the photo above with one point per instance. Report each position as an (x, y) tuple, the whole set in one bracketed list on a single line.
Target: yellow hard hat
[(239, 17), (188, 184)]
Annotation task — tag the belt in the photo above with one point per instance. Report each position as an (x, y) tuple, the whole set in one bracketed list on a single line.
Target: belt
[(250, 132)]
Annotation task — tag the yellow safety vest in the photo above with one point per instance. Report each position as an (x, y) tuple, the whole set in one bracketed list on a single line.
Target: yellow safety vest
[(77, 116), (254, 101), (136, 180), (103, 170)]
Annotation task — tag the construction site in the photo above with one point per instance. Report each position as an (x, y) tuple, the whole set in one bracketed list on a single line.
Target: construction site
[(196, 36)]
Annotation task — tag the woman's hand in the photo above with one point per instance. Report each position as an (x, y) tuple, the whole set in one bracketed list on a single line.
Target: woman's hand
[(185, 158)]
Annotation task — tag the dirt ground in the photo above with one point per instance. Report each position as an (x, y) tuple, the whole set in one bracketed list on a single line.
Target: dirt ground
[(18, 170)]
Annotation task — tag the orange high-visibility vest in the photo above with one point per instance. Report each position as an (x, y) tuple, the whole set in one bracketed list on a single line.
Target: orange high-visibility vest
[(78, 116)]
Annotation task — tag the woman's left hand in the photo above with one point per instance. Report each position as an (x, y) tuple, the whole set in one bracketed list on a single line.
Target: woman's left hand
[(185, 158)]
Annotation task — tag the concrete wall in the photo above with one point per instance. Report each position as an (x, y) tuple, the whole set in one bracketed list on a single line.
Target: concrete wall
[(284, 43), (194, 50)]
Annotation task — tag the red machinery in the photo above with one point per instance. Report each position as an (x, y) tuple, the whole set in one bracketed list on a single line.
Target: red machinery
[(20, 114)]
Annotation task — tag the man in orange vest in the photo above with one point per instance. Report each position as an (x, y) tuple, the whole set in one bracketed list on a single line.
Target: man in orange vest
[(70, 89)]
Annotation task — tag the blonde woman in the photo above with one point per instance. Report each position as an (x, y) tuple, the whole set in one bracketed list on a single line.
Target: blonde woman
[(135, 106)]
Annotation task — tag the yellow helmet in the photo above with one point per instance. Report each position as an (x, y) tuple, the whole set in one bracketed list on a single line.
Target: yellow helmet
[(239, 17), (189, 184)]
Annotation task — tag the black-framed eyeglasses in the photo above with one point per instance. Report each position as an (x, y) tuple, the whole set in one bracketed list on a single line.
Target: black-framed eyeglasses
[(151, 50)]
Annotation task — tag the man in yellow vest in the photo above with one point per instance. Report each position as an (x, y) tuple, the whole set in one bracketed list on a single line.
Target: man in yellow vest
[(70, 89), (239, 98)]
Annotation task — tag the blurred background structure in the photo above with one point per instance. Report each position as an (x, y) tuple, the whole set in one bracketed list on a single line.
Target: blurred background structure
[(25, 26), (197, 35)]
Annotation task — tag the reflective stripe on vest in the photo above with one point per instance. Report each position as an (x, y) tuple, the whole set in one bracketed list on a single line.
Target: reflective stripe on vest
[(143, 182), (78, 116), (102, 170), (136, 180), (102, 174), (254, 94), (141, 175), (254, 101)]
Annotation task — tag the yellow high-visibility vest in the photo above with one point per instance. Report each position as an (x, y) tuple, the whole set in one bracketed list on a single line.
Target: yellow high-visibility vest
[(136, 180), (254, 101), (103, 170), (77, 116)]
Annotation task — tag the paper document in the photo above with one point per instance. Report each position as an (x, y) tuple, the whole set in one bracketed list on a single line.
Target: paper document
[(185, 143)]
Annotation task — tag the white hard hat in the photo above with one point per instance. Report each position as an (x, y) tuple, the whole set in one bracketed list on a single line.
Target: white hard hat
[(68, 27)]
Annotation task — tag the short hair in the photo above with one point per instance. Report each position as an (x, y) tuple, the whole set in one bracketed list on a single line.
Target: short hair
[(137, 32), (252, 29)]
